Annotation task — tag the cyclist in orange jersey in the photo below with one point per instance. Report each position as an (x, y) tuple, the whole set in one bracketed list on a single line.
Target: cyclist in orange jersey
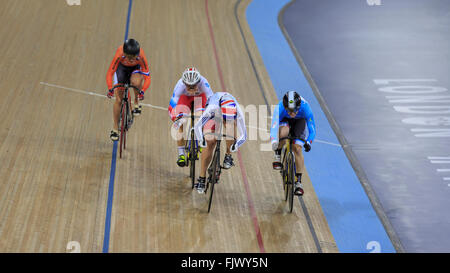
[(129, 66)]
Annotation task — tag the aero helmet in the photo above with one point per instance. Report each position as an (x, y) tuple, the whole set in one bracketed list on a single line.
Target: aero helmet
[(292, 101)]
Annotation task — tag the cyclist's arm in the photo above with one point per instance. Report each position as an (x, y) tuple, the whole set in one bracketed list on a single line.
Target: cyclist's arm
[(174, 101), (275, 124), (145, 70), (206, 88), (310, 123), (205, 117), (241, 126), (113, 68)]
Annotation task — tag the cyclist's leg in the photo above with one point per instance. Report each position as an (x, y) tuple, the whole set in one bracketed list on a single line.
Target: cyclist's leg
[(199, 106), (208, 151), (229, 112), (122, 76), (299, 131), (118, 93), (299, 163), (283, 131), (230, 130), (137, 80), (183, 107), (297, 149)]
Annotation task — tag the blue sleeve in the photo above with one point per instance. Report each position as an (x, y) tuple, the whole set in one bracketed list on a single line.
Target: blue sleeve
[(310, 123), (276, 117)]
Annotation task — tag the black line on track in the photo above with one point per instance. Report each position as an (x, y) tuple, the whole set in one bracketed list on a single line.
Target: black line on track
[(305, 210), (395, 240)]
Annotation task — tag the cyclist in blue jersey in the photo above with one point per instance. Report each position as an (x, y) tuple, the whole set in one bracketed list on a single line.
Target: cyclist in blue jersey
[(293, 115)]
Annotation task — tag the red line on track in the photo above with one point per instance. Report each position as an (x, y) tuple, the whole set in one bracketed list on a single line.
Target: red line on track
[(241, 165)]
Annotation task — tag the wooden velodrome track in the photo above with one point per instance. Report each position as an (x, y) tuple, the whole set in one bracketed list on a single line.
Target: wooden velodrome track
[(56, 153)]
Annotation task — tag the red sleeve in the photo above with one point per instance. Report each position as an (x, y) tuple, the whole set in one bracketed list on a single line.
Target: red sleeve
[(145, 70), (113, 67)]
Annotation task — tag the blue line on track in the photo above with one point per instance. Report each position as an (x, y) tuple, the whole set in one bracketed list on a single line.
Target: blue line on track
[(110, 199), (113, 166), (130, 4)]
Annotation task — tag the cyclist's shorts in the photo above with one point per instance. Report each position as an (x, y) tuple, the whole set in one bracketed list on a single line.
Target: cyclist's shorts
[(123, 73), (297, 128), (229, 111), (210, 126), (184, 104)]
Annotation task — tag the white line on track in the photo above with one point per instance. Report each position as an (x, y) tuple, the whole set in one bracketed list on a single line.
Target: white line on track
[(93, 94), (154, 106)]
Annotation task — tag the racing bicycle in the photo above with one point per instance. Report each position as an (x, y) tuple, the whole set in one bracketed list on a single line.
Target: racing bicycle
[(214, 168), (288, 169), (126, 116)]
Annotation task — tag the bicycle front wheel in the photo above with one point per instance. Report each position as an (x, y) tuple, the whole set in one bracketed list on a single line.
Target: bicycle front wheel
[(291, 181), (192, 152), (214, 177), (285, 176), (122, 128), (191, 158)]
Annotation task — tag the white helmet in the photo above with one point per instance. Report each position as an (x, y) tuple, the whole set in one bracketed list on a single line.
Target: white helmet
[(191, 76)]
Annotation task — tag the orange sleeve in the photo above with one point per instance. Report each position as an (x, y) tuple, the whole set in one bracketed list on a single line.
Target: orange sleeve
[(145, 70), (113, 67)]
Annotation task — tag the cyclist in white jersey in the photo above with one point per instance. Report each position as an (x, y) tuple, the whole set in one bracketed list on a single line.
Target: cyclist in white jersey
[(192, 87), (220, 106)]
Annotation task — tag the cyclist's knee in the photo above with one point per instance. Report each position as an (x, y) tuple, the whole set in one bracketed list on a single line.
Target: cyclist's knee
[(297, 149), (118, 94), (118, 98), (180, 129), (211, 145), (210, 139), (284, 131), (136, 80)]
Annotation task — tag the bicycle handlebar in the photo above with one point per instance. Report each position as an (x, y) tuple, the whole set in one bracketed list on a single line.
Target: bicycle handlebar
[(220, 135), (186, 116), (291, 138), (120, 85)]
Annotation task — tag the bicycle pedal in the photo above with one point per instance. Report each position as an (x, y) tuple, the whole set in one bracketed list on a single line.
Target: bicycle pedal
[(216, 182)]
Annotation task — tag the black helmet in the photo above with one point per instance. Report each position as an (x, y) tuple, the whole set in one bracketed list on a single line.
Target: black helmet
[(292, 101), (131, 47)]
